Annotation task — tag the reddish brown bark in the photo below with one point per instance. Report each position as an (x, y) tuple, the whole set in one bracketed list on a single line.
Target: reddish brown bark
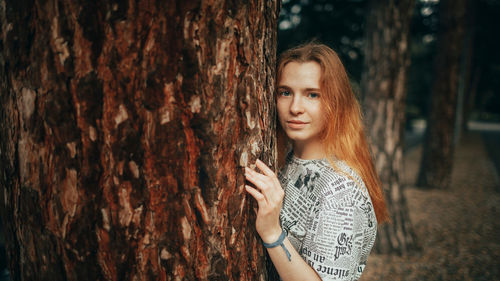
[(384, 87), (124, 129)]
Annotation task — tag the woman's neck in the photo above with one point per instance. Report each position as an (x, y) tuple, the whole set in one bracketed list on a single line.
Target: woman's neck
[(309, 151)]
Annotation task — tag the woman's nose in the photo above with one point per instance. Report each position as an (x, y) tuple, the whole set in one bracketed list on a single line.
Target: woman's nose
[(296, 107)]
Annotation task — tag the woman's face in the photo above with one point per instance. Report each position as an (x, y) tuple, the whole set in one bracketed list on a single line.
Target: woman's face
[(300, 110)]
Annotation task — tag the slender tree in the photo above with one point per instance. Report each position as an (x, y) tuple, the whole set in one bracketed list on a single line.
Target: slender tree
[(471, 66), (468, 73), (124, 127), (437, 158), (384, 88)]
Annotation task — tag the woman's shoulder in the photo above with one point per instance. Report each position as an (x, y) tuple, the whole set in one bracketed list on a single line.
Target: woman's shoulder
[(339, 181)]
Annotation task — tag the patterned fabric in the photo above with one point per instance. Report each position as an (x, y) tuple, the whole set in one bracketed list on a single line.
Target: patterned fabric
[(328, 216)]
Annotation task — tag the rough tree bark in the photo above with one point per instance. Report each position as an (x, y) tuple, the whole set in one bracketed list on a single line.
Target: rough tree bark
[(384, 88), (124, 128), (437, 158)]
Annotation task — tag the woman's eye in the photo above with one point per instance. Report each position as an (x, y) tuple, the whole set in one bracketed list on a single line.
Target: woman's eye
[(284, 93), (314, 95)]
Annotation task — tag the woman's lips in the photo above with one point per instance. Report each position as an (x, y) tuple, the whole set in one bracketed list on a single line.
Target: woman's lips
[(296, 124)]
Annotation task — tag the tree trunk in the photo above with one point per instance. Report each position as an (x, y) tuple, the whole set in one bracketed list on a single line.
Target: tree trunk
[(384, 86), (466, 75), (470, 96), (124, 130), (436, 164), (472, 70)]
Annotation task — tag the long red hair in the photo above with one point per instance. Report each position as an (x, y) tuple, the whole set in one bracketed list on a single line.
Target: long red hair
[(344, 136)]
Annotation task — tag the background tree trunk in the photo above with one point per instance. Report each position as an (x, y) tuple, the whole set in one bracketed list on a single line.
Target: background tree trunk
[(124, 128), (384, 86), (472, 70), (465, 77), (436, 165)]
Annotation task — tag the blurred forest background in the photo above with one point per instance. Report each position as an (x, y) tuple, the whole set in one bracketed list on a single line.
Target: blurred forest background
[(341, 25), (455, 225), (456, 228)]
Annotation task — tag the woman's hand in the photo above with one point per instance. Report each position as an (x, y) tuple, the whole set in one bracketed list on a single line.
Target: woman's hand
[(269, 195)]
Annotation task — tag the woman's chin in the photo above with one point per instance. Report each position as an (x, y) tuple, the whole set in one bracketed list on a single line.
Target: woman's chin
[(297, 136)]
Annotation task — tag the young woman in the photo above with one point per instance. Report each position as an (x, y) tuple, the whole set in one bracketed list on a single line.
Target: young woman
[(318, 218)]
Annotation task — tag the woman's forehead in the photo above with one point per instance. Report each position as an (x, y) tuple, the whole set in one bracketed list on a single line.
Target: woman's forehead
[(300, 75)]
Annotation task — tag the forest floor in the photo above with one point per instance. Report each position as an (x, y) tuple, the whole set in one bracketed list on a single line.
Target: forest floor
[(458, 229)]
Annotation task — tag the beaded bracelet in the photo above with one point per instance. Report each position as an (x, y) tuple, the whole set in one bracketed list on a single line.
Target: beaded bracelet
[(279, 242)]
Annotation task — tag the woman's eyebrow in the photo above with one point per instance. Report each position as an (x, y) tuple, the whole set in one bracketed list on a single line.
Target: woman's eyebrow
[(305, 89), (312, 89)]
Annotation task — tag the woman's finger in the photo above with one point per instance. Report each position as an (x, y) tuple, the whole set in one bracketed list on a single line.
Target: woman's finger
[(259, 180), (261, 200), (265, 169), (269, 173), (270, 187)]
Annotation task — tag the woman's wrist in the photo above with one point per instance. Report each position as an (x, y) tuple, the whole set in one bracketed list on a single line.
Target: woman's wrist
[(271, 235), (280, 242)]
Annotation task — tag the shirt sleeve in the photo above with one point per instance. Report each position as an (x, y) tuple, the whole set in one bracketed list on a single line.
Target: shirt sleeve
[(333, 244)]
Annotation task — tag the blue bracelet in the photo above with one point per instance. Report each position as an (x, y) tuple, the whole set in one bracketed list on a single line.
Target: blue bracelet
[(279, 242)]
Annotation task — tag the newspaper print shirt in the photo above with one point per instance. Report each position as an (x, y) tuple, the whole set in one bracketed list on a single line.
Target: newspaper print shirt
[(328, 216)]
